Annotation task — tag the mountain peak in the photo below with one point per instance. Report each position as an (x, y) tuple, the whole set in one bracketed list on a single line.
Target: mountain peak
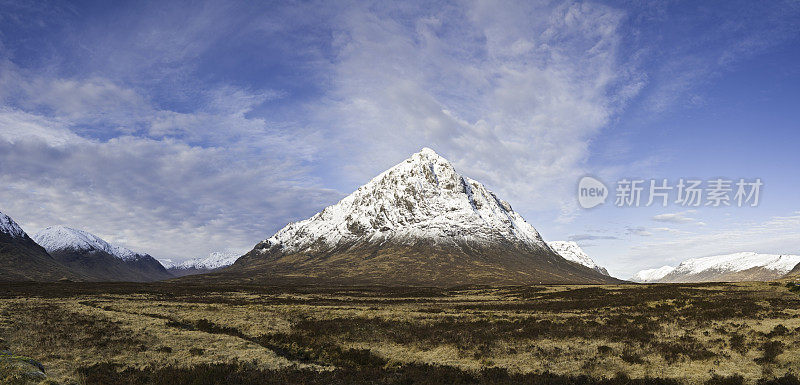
[(421, 198), (10, 227), (21, 259), (435, 167), (418, 223), (59, 238), (427, 153)]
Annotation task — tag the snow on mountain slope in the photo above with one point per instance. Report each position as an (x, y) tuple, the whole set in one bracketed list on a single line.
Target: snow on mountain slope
[(215, 260), (746, 266), (572, 252), (8, 226), (652, 275), (421, 198), (58, 238), (738, 262)]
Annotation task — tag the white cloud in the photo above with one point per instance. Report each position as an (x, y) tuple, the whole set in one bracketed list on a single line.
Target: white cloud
[(670, 230), (638, 230), (18, 125), (97, 152), (679, 217)]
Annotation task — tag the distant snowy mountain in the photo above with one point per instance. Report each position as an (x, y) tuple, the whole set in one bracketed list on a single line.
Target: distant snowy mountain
[(572, 252), (57, 238), (746, 266), (214, 261), (96, 258), (418, 223), (652, 275), (21, 259)]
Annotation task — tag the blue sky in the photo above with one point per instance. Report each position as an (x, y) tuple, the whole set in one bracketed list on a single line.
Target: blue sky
[(184, 128)]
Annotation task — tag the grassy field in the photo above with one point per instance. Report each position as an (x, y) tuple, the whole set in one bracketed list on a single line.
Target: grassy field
[(628, 334)]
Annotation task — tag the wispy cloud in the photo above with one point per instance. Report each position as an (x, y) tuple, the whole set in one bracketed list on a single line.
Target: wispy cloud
[(512, 95), (185, 129), (164, 197), (678, 67), (775, 235), (679, 217), (638, 230), (94, 154), (589, 237)]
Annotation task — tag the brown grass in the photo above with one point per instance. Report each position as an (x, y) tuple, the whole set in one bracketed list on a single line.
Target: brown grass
[(624, 334)]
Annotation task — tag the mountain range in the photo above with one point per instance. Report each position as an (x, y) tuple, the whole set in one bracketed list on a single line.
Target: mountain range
[(745, 266), (418, 223), (212, 262)]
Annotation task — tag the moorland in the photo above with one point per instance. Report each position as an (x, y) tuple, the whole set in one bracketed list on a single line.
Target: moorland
[(176, 333)]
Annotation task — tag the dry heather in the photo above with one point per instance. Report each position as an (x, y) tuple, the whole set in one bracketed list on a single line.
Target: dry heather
[(626, 334)]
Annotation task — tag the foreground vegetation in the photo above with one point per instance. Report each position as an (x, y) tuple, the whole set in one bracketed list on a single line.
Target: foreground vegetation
[(178, 334)]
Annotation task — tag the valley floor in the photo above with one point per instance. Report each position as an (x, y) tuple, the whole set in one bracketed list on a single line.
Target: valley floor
[(626, 334)]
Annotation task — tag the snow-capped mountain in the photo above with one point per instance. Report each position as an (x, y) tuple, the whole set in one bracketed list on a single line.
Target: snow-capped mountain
[(96, 258), (746, 266), (419, 222), (213, 261), (572, 252), (8, 226), (421, 198), (652, 275), (57, 238), (21, 259)]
